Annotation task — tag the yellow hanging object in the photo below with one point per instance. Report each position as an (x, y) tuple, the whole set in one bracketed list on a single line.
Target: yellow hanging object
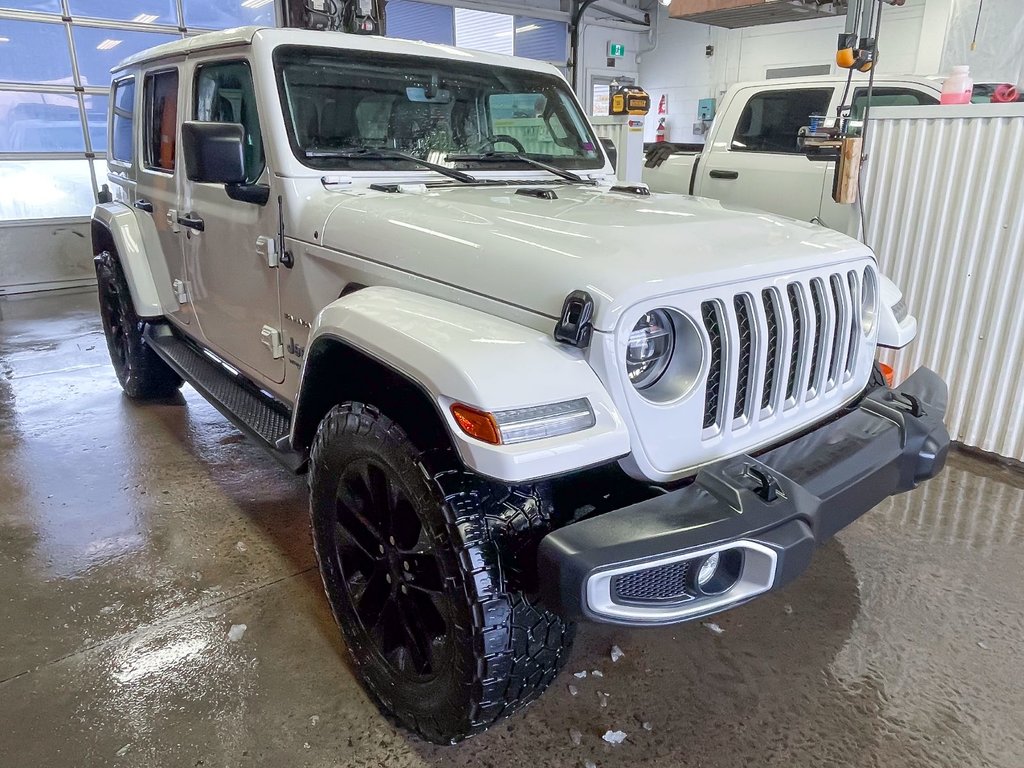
[(630, 100)]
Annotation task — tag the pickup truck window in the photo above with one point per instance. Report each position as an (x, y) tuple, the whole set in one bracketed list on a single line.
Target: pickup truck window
[(225, 94), (338, 101), (121, 120), (161, 123), (884, 97), (771, 119)]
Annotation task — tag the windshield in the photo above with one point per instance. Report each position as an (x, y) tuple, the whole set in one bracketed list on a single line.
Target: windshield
[(454, 113)]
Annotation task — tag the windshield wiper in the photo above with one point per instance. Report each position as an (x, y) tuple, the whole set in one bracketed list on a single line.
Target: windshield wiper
[(365, 153), (504, 157)]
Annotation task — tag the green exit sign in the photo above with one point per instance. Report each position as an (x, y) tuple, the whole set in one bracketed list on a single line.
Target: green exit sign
[(616, 50)]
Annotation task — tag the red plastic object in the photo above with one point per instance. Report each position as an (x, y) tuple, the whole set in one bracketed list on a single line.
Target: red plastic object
[(1005, 94)]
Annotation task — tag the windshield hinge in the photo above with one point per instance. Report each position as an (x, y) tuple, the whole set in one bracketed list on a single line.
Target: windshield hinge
[(266, 249), (334, 182)]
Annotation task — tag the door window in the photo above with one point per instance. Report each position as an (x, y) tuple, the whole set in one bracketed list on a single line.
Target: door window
[(122, 120), (771, 120), (225, 94), (884, 97), (161, 100)]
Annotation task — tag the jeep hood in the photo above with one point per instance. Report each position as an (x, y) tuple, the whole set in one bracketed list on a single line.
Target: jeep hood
[(530, 252)]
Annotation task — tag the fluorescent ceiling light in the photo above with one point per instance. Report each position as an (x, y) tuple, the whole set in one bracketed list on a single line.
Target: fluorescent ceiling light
[(146, 18), (107, 44), (5, 39), (255, 3), (528, 28)]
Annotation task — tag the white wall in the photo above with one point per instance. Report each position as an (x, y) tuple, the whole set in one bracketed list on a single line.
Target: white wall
[(997, 55), (911, 42)]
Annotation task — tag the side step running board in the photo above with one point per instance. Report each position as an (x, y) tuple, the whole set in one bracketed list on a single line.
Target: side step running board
[(258, 416)]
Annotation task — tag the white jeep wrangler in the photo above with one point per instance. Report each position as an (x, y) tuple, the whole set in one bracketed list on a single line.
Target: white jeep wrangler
[(524, 394)]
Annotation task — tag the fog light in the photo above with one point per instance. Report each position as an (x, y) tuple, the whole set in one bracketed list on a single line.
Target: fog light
[(718, 572), (707, 569)]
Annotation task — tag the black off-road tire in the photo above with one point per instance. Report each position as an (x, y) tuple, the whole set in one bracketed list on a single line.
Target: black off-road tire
[(375, 497), (143, 375)]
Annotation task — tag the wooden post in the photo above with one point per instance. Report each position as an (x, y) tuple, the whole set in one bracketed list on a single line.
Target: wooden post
[(848, 171)]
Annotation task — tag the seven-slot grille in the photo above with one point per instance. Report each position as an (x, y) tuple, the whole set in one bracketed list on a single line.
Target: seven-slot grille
[(775, 348)]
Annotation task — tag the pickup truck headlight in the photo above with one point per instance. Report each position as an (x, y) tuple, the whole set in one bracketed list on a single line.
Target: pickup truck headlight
[(649, 349), (868, 301)]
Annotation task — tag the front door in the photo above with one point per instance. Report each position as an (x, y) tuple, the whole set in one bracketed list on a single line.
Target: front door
[(233, 287), (756, 160)]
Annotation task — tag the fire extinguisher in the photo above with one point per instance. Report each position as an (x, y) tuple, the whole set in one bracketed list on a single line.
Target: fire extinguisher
[(660, 133)]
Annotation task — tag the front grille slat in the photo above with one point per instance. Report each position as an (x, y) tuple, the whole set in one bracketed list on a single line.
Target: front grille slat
[(794, 355), (768, 390), (838, 330), (746, 349), (851, 357), (713, 325)]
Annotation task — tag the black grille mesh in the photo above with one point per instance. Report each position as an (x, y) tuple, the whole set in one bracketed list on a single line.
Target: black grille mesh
[(662, 584), (746, 351), (709, 313), (794, 355), (773, 347)]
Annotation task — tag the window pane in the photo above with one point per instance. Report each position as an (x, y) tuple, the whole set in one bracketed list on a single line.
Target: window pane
[(421, 21), (145, 12), (40, 122), (39, 189), (161, 119), (124, 106), (541, 39), (225, 94), (34, 52), (98, 50), (41, 6), (884, 97), (484, 31), (771, 119), (96, 115), (222, 14)]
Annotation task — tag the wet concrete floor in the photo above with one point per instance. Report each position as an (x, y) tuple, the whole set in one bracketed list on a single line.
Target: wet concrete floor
[(132, 539)]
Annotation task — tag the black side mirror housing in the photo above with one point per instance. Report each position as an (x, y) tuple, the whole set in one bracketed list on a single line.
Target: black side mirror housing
[(214, 152)]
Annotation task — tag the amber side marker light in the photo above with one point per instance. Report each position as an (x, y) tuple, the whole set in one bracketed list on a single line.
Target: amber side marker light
[(888, 373), (477, 424)]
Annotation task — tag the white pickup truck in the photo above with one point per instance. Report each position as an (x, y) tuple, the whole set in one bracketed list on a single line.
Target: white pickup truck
[(751, 157)]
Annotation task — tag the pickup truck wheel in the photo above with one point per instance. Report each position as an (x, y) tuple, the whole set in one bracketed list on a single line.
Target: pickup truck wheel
[(410, 548), (143, 375)]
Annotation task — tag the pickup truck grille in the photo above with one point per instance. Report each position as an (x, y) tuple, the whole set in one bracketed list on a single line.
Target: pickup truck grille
[(779, 347)]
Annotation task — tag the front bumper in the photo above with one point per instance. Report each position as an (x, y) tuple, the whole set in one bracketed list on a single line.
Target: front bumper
[(774, 509)]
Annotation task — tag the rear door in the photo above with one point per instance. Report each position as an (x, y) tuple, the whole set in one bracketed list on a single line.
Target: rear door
[(755, 160), (158, 191)]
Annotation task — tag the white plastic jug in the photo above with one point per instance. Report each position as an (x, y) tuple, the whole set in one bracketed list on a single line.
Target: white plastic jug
[(958, 87)]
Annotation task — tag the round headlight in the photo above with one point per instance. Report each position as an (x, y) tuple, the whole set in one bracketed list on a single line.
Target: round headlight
[(868, 301), (650, 348)]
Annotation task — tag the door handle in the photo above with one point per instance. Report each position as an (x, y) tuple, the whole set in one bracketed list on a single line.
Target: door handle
[(192, 222), (144, 205), (724, 175)]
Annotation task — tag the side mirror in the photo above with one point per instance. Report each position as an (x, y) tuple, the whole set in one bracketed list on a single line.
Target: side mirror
[(214, 152)]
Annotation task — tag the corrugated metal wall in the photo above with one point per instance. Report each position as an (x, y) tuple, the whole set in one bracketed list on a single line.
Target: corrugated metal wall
[(944, 202)]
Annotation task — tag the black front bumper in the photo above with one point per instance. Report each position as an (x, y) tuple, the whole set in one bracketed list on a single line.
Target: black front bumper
[(780, 506)]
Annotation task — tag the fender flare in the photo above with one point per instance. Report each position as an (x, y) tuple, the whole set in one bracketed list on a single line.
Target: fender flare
[(116, 223), (457, 354)]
